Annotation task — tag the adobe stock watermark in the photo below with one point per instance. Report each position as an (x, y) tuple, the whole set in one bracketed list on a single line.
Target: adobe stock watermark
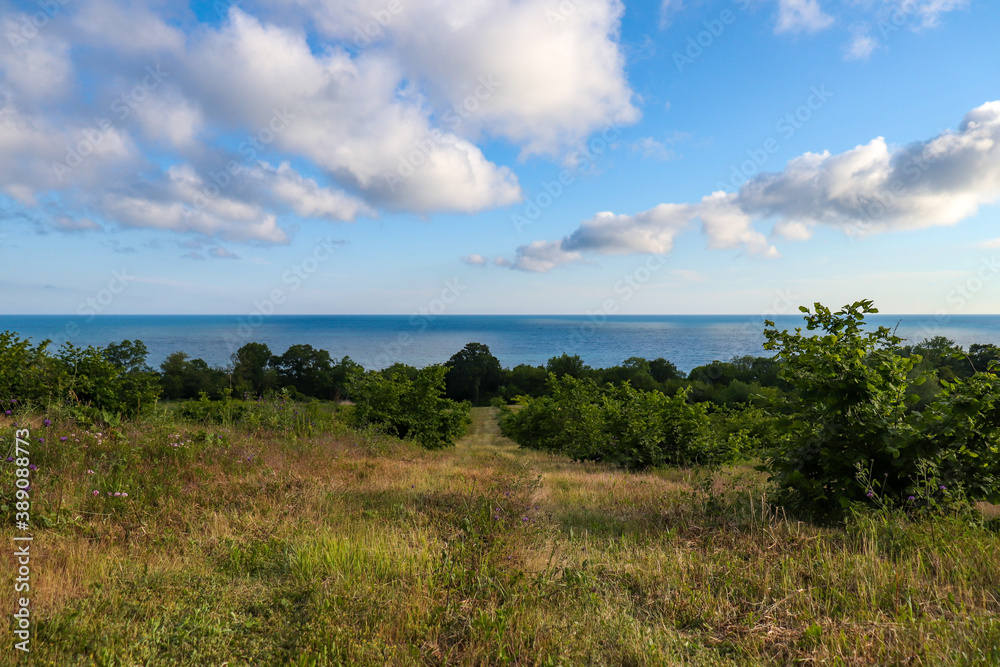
[(535, 206), (249, 148), (785, 127), (627, 287), (714, 28), (455, 116), (419, 321), (375, 29), (882, 204), (122, 107), (293, 279), (962, 293), (30, 26)]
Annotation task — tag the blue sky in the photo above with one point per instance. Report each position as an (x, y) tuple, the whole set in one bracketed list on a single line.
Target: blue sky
[(369, 156)]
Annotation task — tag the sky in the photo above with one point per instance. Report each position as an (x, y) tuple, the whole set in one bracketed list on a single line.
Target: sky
[(499, 156)]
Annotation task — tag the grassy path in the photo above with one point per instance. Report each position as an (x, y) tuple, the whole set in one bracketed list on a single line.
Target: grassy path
[(357, 550)]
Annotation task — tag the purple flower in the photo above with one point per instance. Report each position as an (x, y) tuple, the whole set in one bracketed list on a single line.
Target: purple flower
[(10, 459), (96, 492), (524, 518), (32, 466), (124, 495), (47, 422), (62, 439), (118, 494), (870, 494), (41, 440), (942, 487), (911, 499), (7, 413)]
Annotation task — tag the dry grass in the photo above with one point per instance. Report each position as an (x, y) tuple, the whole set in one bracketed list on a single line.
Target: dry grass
[(355, 550)]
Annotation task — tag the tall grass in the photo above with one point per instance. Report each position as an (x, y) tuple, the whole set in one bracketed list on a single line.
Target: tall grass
[(271, 545)]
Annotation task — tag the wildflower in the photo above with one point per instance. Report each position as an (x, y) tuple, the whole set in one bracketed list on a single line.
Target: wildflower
[(62, 438), (124, 495), (911, 499), (91, 472), (7, 412), (118, 494), (524, 518), (942, 487), (32, 466), (41, 440), (10, 459), (870, 494), (96, 492), (47, 423)]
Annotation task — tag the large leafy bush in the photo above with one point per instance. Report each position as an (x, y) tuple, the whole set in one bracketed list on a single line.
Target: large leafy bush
[(617, 424), (850, 413), (409, 408)]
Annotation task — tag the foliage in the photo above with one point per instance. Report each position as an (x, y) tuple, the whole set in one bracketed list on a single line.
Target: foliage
[(409, 408), (183, 377), (617, 424), (473, 373), (850, 412), (99, 383), (252, 369)]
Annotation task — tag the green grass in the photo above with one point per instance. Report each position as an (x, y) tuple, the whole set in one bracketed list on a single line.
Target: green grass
[(275, 547)]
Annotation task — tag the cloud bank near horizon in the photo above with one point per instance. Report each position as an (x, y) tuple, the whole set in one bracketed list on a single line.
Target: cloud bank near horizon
[(869, 189)]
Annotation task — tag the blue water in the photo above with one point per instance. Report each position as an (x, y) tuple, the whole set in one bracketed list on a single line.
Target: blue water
[(377, 341)]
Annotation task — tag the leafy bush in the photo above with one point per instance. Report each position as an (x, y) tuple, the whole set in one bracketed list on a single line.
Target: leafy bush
[(409, 408), (850, 413), (100, 383), (617, 424)]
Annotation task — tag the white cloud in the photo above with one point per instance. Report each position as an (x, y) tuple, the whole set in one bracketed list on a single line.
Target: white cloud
[(543, 256), (930, 11), (348, 117), (36, 68), (801, 16), (869, 189), (183, 203), (393, 125), (473, 260), (540, 74), (861, 47), (307, 198)]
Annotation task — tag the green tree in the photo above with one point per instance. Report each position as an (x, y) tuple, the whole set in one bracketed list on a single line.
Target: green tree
[(473, 373), (567, 365), (307, 369), (252, 369)]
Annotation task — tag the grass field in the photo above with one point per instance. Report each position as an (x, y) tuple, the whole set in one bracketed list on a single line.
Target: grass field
[(352, 549)]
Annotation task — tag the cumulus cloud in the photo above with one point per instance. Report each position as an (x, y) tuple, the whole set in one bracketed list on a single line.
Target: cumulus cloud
[(387, 121), (868, 189), (473, 260), (543, 256)]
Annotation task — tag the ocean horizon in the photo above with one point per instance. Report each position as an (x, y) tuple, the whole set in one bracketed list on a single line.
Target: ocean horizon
[(378, 341)]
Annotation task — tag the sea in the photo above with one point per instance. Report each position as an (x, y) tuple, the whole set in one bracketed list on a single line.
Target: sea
[(378, 341)]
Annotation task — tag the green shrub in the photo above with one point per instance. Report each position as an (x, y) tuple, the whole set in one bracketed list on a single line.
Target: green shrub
[(617, 424), (407, 407), (850, 413)]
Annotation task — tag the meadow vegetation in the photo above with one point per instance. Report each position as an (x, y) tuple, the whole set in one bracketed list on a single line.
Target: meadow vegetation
[(830, 519)]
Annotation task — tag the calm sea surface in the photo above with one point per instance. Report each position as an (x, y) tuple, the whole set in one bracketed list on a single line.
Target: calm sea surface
[(377, 341)]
